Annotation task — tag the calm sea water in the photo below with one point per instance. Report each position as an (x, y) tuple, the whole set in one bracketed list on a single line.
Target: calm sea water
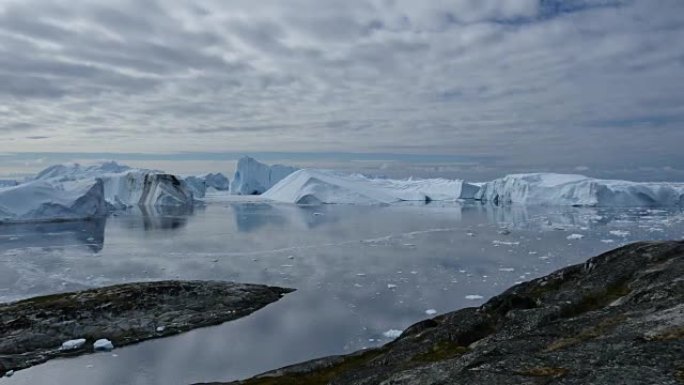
[(359, 272)]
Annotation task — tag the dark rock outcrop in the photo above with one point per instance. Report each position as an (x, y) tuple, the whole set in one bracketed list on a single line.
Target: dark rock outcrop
[(32, 330), (616, 319)]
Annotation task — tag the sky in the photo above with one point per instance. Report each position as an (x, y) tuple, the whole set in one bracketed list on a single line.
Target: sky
[(593, 86)]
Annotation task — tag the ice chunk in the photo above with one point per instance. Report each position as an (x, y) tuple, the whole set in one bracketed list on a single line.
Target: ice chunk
[(579, 190), (619, 233), (392, 333), (44, 201), (254, 178), (473, 297), (574, 236), (73, 344), (103, 345), (310, 186), (430, 311)]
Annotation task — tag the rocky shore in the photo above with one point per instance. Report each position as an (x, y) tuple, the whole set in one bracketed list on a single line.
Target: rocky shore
[(616, 319), (32, 331)]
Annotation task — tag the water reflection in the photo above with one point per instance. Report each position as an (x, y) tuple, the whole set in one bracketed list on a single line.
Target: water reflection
[(358, 271), (156, 218), (89, 234)]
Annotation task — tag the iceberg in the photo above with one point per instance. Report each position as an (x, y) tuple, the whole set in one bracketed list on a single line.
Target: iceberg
[(142, 188), (124, 186), (578, 190), (321, 186), (74, 171), (43, 201), (253, 177), (201, 183)]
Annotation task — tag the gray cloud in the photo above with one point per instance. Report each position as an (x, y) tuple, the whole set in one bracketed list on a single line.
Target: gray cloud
[(531, 82)]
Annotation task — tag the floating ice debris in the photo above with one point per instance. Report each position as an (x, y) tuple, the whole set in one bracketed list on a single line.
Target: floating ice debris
[(360, 274), (473, 297), (73, 344), (504, 231), (574, 236), (161, 329), (607, 240), (409, 245), (103, 345), (414, 272), (9, 373), (470, 234), (317, 214), (430, 311), (506, 269), (506, 243), (290, 257), (391, 286), (532, 253), (619, 233), (392, 333), (358, 285)]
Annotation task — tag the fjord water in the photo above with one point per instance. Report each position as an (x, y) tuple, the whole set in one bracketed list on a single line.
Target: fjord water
[(359, 272)]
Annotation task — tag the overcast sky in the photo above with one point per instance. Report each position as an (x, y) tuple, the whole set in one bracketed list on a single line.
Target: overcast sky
[(524, 82)]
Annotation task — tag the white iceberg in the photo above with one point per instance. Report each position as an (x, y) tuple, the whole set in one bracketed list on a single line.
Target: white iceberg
[(125, 186), (103, 345), (392, 333), (142, 188), (322, 186), (42, 200), (75, 171), (200, 184), (254, 178), (578, 190), (73, 344)]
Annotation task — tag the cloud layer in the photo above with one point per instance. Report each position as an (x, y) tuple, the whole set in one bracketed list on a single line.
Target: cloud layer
[(530, 81)]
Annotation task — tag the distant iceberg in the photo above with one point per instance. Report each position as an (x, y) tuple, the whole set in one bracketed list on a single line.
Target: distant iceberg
[(253, 177), (41, 200), (125, 186), (578, 190), (72, 191), (322, 186), (199, 184)]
